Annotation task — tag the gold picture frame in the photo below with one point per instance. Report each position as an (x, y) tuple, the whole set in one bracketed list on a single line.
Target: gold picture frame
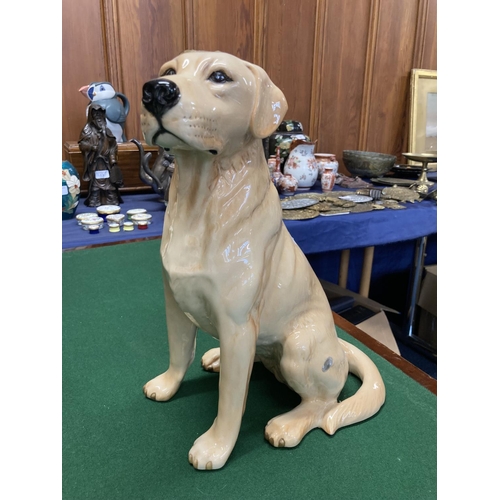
[(423, 114)]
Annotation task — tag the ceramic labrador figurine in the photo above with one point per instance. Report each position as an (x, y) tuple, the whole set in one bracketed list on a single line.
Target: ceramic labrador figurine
[(231, 268)]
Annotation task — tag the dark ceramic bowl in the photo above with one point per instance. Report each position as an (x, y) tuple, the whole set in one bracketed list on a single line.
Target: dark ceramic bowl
[(367, 164)]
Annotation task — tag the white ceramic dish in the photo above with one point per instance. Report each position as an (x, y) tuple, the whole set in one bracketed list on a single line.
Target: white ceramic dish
[(356, 198), (92, 221), (81, 217), (116, 219), (141, 219), (108, 209), (135, 211)]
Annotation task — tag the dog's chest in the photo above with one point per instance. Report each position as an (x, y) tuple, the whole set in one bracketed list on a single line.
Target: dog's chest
[(208, 273), (186, 262), (187, 245)]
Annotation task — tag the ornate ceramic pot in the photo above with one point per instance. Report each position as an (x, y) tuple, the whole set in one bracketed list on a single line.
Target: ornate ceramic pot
[(288, 185), (283, 138), (302, 164), (70, 190)]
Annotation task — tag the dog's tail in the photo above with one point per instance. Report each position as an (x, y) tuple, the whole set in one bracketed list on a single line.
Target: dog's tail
[(366, 401)]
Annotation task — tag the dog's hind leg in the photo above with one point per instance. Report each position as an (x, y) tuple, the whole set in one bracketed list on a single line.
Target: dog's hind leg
[(181, 341), (316, 368)]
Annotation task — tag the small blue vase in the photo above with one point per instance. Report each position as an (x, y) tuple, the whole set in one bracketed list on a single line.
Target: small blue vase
[(70, 190)]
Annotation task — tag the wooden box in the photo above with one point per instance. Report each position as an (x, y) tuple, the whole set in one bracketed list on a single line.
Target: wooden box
[(128, 159)]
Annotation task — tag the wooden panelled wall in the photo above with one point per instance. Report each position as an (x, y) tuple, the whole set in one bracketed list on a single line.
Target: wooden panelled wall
[(343, 65)]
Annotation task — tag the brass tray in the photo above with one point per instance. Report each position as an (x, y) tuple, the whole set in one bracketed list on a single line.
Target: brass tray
[(300, 214)]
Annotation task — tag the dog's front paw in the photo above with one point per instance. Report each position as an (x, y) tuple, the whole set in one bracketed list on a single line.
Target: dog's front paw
[(209, 452), (210, 361), (162, 387)]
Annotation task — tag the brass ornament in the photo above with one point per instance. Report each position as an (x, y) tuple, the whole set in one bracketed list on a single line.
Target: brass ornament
[(336, 210), (361, 207), (400, 194), (300, 214)]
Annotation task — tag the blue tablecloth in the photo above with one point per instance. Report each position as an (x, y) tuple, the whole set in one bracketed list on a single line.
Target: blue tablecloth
[(359, 230), (322, 234), (73, 236), (392, 232)]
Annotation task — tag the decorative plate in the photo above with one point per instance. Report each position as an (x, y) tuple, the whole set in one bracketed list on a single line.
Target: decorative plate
[(304, 214), (329, 214), (362, 207), (356, 198), (297, 203), (393, 181), (407, 168)]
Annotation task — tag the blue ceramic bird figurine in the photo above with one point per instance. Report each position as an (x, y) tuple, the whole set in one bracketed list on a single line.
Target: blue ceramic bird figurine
[(115, 104)]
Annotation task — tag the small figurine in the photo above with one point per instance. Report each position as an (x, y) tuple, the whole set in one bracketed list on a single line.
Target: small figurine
[(104, 94), (160, 176), (99, 149)]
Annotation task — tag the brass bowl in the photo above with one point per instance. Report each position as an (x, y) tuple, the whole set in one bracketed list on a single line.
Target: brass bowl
[(367, 164)]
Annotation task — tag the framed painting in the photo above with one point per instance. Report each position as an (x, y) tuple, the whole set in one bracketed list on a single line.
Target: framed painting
[(423, 113)]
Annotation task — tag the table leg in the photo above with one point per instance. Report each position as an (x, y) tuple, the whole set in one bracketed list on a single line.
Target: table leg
[(415, 281), (366, 272), (344, 267), (414, 290)]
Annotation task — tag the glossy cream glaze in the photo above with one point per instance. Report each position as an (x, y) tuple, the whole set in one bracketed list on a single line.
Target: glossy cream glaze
[(231, 268)]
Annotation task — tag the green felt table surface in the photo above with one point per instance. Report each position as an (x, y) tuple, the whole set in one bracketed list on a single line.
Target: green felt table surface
[(117, 444)]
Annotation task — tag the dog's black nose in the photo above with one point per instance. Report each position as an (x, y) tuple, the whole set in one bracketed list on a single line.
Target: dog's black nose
[(158, 96)]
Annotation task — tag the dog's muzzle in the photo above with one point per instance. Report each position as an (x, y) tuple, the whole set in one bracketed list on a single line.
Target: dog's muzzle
[(158, 96)]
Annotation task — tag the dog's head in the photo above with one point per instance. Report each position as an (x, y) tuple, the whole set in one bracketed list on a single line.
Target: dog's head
[(210, 101)]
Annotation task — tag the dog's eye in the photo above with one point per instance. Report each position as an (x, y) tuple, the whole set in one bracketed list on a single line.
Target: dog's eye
[(169, 71), (219, 77)]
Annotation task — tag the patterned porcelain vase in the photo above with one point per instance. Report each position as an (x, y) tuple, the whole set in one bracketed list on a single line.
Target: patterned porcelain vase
[(327, 179), (326, 160), (70, 190), (302, 164), (275, 171)]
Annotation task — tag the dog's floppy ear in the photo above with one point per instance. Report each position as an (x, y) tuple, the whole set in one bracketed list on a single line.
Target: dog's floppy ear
[(270, 104)]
